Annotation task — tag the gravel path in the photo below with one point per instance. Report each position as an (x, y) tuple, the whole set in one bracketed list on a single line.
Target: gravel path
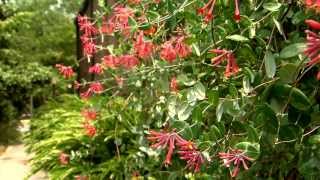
[(14, 164)]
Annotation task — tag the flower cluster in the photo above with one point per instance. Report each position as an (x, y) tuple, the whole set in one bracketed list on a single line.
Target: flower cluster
[(96, 69), (119, 21), (126, 61), (94, 88), (313, 4), (232, 67), (88, 32), (235, 157), (89, 116), (142, 48), (174, 85), (64, 158), (187, 149), (174, 48), (65, 71), (313, 47), (207, 11)]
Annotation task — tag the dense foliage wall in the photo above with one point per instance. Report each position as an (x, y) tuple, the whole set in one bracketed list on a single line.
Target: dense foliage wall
[(208, 89), (34, 36)]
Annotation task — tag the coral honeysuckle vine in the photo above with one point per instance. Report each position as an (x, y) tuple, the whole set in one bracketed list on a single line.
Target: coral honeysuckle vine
[(206, 38)]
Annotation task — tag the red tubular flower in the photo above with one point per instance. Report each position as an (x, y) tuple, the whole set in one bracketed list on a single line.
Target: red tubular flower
[(189, 153), (236, 11), (182, 49), (232, 67), (89, 48), (89, 114), (313, 4), (308, 2), (90, 129), (142, 48), (235, 157), (168, 52), (165, 140), (313, 47), (64, 158), (94, 88), (111, 61), (207, 11), (318, 76), (313, 24), (96, 69), (107, 27), (129, 61), (174, 85), (65, 71), (86, 26)]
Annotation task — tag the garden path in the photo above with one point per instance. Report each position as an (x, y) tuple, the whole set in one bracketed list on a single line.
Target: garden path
[(14, 163)]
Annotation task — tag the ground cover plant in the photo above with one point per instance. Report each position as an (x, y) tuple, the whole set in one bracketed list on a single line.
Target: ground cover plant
[(189, 89)]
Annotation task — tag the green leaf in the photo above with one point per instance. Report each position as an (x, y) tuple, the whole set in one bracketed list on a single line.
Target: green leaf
[(219, 110), (289, 132), (196, 49), (292, 50), (250, 149), (299, 100), (278, 25), (183, 128), (270, 64), (199, 91), (184, 111), (315, 139), (287, 73), (272, 6), (237, 37)]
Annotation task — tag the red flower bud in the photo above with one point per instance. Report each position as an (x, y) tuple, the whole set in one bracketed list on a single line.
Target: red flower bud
[(313, 24)]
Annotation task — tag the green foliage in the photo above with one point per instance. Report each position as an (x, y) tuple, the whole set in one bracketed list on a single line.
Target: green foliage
[(32, 40), (269, 109)]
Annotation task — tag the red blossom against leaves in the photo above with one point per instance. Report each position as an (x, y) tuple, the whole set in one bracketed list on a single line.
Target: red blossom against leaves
[(189, 153), (232, 67), (107, 27), (165, 140), (313, 24), (89, 129), (94, 88), (318, 76), (64, 158), (96, 69), (236, 11), (168, 52), (207, 11), (89, 48), (111, 61), (142, 48), (128, 61), (182, 49), (86, 26), (313, 4), (65, 71), (313, 47), (174, 85), (235, 157), (89, 114), (120, 19)]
